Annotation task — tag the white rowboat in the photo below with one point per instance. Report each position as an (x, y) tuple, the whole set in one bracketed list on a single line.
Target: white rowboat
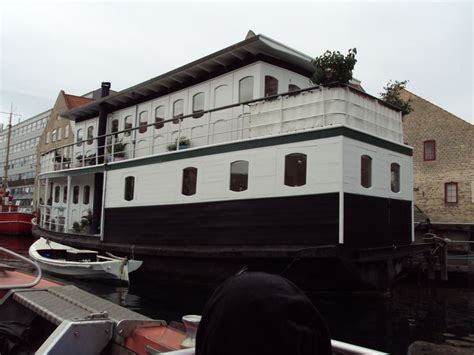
[(64, 260)]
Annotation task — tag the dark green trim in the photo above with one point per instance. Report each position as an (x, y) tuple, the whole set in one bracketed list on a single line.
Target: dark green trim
[(244, 145), (74, 172)]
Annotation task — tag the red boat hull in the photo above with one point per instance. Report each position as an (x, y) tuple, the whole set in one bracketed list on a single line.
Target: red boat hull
[(15, 223)]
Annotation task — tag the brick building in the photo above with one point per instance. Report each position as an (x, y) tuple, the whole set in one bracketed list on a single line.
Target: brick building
[(443, 160)]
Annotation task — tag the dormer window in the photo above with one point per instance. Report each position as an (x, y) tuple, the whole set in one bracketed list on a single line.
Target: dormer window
[(246, 89), (271, 86)]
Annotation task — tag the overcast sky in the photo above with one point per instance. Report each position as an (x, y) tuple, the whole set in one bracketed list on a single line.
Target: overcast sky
[(49, 46)]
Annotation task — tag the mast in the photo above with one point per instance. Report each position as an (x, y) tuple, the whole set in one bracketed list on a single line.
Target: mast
[(5, 177)]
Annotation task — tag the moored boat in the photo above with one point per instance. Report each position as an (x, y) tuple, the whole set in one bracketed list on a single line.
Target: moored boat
[(67, 261), (236, 161)]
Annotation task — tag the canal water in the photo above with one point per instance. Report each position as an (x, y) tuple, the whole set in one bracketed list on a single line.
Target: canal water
[(417, 310)]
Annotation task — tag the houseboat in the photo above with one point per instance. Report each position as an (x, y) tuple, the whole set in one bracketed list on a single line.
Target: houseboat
[(237, 161)]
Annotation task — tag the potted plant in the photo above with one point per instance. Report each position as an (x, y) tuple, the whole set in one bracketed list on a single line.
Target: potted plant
[(118, 151), (183, 144), (79, 161), (76, 226), (86, 222)]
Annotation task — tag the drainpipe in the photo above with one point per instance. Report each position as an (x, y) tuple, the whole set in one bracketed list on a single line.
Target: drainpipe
[(99, 177)]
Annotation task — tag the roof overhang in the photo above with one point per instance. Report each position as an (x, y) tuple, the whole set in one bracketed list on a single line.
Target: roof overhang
[(238, 55)]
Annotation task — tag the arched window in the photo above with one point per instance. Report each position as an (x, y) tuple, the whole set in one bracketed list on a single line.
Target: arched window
[(239, 175), (220, 96), (246, 89), (189, 181), (114, 127), (143, 121), (198, 105), (65, 194), (129, 190), (86, 195), (395, 177), (178, 110), (90, 134), (271, 86), (57, 192), (366, 171), (295, 169), (79, 137), (159, 117), (75, 195), (293, 87), (127, 126)]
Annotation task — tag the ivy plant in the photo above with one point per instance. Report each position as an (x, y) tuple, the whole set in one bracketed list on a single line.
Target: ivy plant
[(334, 67), (391, 94)]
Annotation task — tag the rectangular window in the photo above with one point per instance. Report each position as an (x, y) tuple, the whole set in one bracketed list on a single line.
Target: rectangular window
[(189, 181), (86, 195), (451, 192), (65, 194), (239, 175), (129, 190), (429, 150), (295, 169), (366, 171), (75, 195), (57, 191)]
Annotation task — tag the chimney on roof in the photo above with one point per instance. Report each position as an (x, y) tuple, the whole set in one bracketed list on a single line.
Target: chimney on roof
[(250, 34), (105, 89)]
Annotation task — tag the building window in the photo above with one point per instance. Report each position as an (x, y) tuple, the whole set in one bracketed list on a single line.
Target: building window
[(451, 192), (114, 126), (128, 126), (66, 131), (366, 171), (60, 133), (271, 86), (86, 195), (57, 192), (395, 177), (293, 87), (54, 135), (220, 96), (178, 110), (198, 105), (429, 150), (143, 122), (159, 117), (189, 181), (295, 169), (129, 188), (90, 134), (79, 137), (65, 194), (47, 137), (239, 175), (246, 89), (75, 195)]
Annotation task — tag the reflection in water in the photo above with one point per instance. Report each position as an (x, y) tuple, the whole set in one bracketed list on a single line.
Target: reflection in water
[(414, 312)]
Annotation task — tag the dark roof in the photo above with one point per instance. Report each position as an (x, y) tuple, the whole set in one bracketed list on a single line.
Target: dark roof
[(74, 101), (240, 54)]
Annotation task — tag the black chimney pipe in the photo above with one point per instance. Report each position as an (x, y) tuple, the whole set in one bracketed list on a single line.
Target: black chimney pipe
[(99, 177)]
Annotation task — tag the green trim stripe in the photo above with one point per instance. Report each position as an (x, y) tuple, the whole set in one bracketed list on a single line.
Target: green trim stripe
[(244, 145)]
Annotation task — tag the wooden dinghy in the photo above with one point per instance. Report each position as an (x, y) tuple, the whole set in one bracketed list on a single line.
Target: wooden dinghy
[(64, 260)]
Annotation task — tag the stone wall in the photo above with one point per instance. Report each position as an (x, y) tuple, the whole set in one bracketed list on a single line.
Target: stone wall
[(454, 162)]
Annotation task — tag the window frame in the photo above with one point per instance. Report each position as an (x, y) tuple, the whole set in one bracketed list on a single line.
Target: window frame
[(269, 85), (425, 143), (446, 185), (178, 116), (143, 126), (234, 189), (75, 199), (240, 88), (287, 177), (84, 195), (370, 180), (398, 180), (159, 121), (129, 195), (184, 187), (199, 112)]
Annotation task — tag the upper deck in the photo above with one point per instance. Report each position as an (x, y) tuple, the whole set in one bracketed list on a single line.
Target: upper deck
[(291, 112)]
